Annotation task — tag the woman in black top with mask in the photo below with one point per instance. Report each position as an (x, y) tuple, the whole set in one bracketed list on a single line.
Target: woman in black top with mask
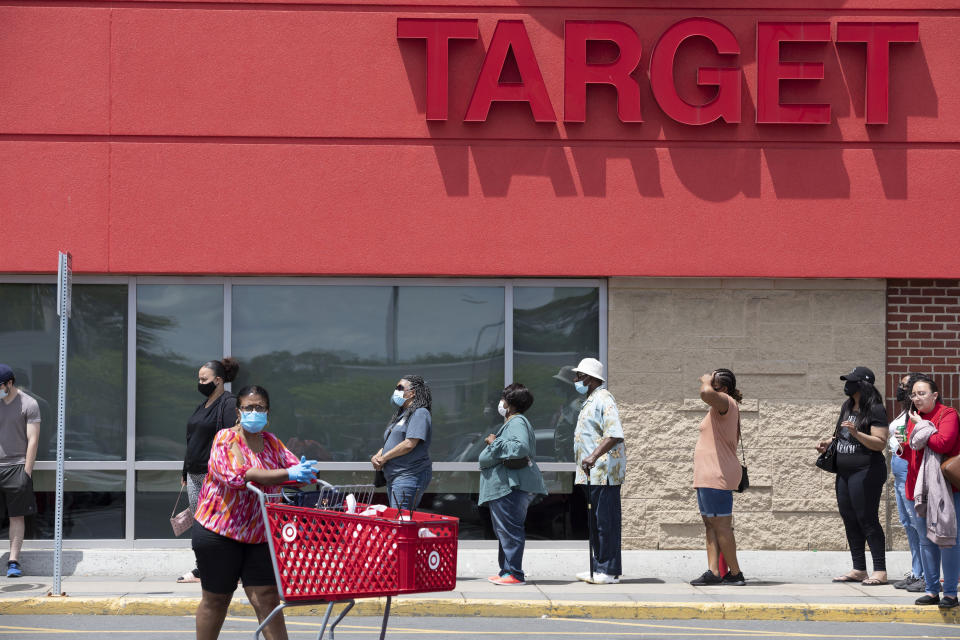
[(861, 434), (218, 411)]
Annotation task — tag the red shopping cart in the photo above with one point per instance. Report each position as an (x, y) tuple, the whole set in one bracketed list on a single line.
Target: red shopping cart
[(332, 545)]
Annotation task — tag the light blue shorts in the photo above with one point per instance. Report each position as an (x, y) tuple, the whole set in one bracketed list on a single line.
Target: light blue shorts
[(715, 503)]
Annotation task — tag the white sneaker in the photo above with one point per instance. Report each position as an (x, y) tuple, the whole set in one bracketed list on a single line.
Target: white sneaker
[(602, 578), (598, 578)]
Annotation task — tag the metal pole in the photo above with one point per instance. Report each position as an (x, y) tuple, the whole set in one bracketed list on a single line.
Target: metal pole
[(590, 526), (63, 308)]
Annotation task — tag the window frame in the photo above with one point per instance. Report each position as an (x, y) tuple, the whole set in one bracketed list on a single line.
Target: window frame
[(130, 465)]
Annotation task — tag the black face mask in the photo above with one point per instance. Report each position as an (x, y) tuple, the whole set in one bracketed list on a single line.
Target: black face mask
[(207, 389), (850, 387), (902, 394)]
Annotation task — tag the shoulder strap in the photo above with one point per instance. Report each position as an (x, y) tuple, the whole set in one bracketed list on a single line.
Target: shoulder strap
[(740, 439), (530, 434), (177, 503), (223, 402), (402, 416)]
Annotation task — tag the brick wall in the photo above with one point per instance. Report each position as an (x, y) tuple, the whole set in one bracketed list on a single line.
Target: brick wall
[(923, 335)]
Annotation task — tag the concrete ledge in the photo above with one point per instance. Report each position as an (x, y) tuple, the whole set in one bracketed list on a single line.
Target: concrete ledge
[(477, 559), (457, 607)]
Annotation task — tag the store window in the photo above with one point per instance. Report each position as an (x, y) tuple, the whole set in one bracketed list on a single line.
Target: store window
[(329, 352), (179, 327), (330, 357), (96, 364), (553, 329), (93, 506)]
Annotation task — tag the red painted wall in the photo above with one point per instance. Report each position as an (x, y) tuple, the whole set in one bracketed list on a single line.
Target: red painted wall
[(244, 138)]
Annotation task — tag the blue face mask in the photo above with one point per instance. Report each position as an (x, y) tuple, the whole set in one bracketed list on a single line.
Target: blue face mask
[(3, 393), (252, 421), (397, 398), (581, 388)]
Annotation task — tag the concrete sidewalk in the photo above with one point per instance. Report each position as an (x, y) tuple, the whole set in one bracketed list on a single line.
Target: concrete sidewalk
[(781, 585), (640, 598)]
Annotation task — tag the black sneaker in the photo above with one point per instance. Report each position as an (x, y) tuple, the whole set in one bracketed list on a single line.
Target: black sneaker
[(735, 579), (928, 599), (908, 580), (708, 578), (917, 587), (948, 603)]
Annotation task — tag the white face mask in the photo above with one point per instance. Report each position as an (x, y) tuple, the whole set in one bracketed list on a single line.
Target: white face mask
[(502, 409)]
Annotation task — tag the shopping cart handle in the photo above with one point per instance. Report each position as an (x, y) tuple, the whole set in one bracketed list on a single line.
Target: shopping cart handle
[(294, 483)]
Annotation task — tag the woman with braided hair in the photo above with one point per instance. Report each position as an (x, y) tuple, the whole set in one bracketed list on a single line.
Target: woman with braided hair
[(716, 474), (405, 455)]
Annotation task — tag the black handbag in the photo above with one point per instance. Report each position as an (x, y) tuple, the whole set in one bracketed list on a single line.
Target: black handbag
[(379, 477), (316, 498), (516, 463), (828, 459), (744, 478)]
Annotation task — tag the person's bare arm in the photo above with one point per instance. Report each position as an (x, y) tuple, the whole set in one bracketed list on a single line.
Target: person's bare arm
[(605, 445), (876, 440), (711, 396), (266, 476), (33, 440), (403, 448)]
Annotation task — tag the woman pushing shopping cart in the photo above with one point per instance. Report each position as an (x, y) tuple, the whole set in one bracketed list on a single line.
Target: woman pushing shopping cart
[(323, 549)]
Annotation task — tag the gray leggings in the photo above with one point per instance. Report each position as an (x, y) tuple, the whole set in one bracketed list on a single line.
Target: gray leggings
[(194, 483)]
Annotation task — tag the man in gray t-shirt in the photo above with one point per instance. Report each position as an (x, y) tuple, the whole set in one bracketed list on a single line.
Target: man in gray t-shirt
[(19, 436)]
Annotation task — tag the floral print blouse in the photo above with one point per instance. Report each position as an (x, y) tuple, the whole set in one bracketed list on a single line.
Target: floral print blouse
[(600, 419)]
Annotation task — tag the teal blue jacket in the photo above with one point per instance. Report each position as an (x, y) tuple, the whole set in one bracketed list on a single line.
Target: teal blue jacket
[(515, 439)]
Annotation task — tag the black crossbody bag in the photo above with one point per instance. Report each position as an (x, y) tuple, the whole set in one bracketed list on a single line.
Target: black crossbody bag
[(744, 478)]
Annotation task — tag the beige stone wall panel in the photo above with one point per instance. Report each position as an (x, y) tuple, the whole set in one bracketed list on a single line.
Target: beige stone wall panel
[(788, 341)]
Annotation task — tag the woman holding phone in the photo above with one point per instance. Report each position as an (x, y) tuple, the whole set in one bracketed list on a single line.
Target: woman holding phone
[(862, 431), (927, 410)]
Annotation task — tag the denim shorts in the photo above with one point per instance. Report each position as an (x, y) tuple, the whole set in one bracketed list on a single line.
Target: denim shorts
[(715, 503)]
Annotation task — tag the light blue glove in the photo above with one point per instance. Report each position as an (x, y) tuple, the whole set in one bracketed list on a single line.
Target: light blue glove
[(303, 472)]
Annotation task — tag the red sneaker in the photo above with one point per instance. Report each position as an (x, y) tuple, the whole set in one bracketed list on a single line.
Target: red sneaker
[(507, 581)]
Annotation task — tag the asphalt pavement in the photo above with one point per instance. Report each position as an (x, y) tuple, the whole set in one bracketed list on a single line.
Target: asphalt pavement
[(636, 599), (460, 628)]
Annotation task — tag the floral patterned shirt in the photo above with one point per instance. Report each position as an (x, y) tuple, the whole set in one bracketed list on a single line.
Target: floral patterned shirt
[(599, 419), (225, 505)]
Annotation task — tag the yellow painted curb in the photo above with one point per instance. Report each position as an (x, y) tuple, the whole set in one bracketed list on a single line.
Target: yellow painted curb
[(459, 607)]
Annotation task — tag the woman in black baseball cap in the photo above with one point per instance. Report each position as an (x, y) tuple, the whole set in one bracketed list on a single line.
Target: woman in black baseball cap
[(861, 434)]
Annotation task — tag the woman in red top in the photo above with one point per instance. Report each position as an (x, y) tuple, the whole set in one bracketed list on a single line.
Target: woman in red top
[(946, 441)]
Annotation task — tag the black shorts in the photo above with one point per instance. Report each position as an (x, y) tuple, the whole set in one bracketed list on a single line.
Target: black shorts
[(222, 561), (16, 491)]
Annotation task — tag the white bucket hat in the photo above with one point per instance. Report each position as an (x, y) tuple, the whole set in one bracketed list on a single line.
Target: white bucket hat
[(592, 367)]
